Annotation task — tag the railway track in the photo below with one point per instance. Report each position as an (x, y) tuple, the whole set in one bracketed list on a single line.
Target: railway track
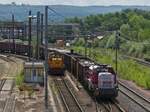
[(135, 97), (7, 104), (140, 61), (6, 58), (2, 103), (10, 104), (109, 105), (18, 56), (68, 98), (118, 106), (13, 67), (2, 82)]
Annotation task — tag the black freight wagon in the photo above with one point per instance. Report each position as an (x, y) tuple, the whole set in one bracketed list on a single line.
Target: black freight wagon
[(83, 66), (20, 49), (70, 61)]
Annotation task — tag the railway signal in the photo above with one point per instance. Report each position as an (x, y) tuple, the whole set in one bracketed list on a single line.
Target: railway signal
[(85, 48), (117, 47)]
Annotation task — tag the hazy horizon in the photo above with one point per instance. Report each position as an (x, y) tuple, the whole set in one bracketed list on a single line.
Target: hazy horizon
[(74, 5), (80, 2)]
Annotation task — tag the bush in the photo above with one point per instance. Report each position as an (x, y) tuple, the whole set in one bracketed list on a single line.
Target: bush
[(20, 79), (111, 42), (80, 42)]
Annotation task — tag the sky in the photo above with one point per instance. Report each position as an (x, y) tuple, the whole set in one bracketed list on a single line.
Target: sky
[(79, 2)]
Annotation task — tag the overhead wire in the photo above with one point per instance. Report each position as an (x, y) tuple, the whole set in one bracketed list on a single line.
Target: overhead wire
[(53, 13), (124, 37), (56, 12)]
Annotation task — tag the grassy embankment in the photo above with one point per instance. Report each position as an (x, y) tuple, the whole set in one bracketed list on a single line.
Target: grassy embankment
[(128, 69)]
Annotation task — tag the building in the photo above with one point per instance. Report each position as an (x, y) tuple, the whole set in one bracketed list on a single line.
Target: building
[(63, 31), (34, 72)]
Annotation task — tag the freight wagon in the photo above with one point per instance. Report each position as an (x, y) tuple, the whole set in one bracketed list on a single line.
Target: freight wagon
[(21, 49)]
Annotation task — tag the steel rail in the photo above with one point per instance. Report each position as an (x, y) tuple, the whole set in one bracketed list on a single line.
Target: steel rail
[(62, 96), (6, 58), (10, 104), (142, 97), (65, 99), (2, 84), (134, 95), (73, 96), (107, 107), (140, 61), (118, 106)]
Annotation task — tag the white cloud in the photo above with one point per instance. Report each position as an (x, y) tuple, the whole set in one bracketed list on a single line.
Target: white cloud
[(80, 2)]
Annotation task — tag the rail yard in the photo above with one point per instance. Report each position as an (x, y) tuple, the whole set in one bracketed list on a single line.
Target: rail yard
[(39, 76), (69, 96)]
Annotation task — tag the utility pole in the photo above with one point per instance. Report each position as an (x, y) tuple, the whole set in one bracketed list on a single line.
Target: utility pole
[(89, 44), (24, 32), (85, 50), (77, 71), (90, 48), (13, 36), (38, 35), (17, 33), (46, 58), (29, 35), (41, 29), (117, 47), (9, 41)]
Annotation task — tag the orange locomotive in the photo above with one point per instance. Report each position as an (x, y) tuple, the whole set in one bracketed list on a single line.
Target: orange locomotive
[(56, 64)]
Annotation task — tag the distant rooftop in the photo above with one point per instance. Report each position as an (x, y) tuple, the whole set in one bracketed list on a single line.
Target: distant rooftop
[(17, 41), (34, 64)]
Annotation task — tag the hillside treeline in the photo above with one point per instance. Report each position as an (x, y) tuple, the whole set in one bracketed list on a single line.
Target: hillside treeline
[(134, 27)]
